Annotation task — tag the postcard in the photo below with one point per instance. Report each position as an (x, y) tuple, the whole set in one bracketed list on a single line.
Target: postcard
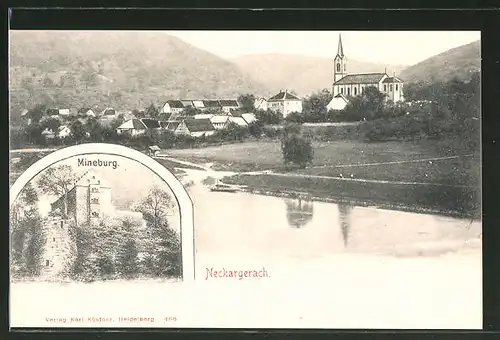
[(185, 179)]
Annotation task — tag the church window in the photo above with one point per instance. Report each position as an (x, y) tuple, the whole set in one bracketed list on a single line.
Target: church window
[(348, 91), (342, 90), (385, 88), (355, 91), (338, 67), (345, 67), (47, 262), (390, 87), (53, 239), (396, 87), (62, 224)]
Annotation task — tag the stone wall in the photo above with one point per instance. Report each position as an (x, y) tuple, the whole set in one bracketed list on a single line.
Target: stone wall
[(60, 247)]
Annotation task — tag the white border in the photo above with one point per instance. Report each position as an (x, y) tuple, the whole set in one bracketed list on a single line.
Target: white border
[(180, 193)]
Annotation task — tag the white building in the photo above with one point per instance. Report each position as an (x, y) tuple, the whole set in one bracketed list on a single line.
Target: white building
[(338, 102), (172, 106), (63, 131), (285, 103), (260, 104)]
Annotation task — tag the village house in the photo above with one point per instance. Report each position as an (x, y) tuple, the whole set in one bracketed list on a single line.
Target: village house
[(154, 150), (354, 84), (64, 112), (48, 133), (86, 112), (228, 104), (285, 103), (338, 102), (135, 127), (219, 122), (260, 104), (249, 117), (212, 105), (172, 106), (236, 117), (187, 103), (63, 131), (195, 127), (108, 112), (172, 126)]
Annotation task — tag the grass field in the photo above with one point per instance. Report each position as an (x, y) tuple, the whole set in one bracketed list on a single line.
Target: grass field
[(331, 158)]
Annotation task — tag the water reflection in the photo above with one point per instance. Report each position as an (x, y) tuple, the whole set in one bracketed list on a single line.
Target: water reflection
[(344, 220), (299, 212)]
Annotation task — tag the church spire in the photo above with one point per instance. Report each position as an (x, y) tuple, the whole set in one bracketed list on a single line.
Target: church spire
[(340, 50)]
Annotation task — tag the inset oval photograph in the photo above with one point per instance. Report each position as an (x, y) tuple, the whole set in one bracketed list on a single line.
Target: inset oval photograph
[(97, 212)]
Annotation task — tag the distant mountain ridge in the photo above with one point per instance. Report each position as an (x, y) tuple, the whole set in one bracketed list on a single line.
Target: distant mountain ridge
[(459, 62), (124, 70), (301, 74)]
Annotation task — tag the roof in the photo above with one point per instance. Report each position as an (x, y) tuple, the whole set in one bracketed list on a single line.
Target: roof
[(84, 110), (340, 95), (135, 124), (228, 102), (187, 103), (198, 104), (236, 113), (362, 78), (163, 124), (340, 50), (175, 104), (198, 125), (150, 123), (171, 126), (218, 119), (238, 120), (211, 103), (90, 177), (154, 148), (109, 111), (203, 116), (392, 80), (249, 117), (283, 95)]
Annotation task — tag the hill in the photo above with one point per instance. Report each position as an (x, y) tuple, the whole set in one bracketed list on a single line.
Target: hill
[(125, 70), (302, 74), (458, 62)]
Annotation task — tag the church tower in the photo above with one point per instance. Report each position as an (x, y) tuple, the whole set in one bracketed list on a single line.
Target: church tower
[(340, 63)]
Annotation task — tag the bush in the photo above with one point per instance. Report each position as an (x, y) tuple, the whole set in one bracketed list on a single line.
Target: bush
[(295, 148)]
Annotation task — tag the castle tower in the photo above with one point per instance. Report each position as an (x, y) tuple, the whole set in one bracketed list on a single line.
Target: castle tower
[(340, 63)]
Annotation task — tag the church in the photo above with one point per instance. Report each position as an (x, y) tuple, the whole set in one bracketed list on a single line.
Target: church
[(347, 85)]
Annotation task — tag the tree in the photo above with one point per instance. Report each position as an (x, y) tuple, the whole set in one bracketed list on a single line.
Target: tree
[(78, 131), (152, 111), (314, 109), (295, 148), (247, 102), (269, 117), (156, 206), (128, 253), (367, 106), (57, 181), (52, 124)]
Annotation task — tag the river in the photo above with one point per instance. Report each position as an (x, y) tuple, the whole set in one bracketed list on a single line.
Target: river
[(371, 257)]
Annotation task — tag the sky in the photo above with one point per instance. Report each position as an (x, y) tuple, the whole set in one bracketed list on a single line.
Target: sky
[(389, 47)]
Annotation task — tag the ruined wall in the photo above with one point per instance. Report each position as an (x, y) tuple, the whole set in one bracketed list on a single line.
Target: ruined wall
[(60, 249)]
